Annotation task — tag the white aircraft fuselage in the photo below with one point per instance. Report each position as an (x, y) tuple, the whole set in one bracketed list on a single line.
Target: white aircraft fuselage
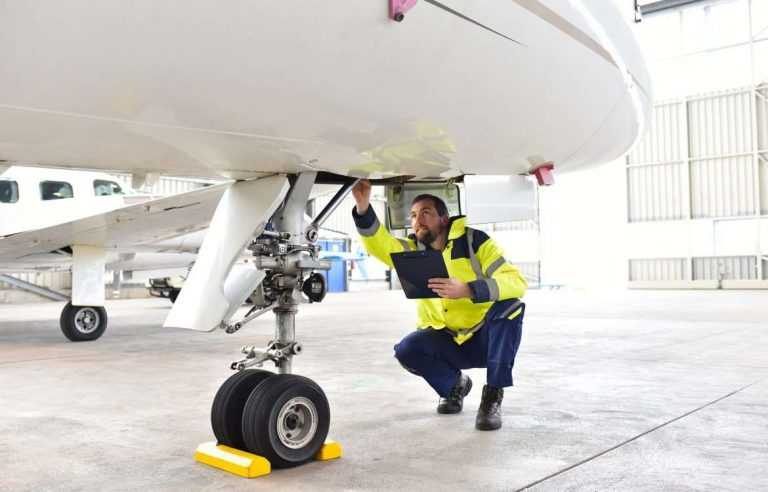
[(35, 198), (243, 88)]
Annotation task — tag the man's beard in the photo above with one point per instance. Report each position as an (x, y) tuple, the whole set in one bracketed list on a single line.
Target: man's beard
[(427, 239)]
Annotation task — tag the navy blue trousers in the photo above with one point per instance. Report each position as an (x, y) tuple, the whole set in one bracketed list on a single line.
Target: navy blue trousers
[(433, 355)]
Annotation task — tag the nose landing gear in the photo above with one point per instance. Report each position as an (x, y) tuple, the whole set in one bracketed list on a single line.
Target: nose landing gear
[(279, 419)]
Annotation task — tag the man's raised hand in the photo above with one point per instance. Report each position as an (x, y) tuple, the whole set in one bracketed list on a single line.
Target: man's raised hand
[(362, 195)]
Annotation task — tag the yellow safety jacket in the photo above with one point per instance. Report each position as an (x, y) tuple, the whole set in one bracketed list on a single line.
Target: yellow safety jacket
[(470, 255)]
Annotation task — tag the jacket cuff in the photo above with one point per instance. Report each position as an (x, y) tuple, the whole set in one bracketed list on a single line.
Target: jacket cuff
[(480, 292), (367, 223), (484, 290)]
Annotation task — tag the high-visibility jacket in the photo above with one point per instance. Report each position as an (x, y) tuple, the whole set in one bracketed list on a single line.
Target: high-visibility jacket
[(470, 255)]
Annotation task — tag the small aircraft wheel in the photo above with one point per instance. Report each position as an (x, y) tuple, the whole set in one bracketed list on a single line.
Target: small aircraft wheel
[(83, 323), (286, 420), (227, 408)]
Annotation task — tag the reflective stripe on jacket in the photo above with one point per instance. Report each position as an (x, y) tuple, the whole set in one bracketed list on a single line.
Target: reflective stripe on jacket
[(482, 266)]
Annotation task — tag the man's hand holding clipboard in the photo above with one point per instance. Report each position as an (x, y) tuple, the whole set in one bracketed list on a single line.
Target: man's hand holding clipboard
[(449, 288)]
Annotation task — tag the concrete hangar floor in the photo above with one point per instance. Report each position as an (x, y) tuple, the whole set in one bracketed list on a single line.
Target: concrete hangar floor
[(629, 391)]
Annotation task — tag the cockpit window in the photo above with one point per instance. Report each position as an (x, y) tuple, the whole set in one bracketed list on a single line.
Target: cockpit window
[(106, 188), (9, 191), (55, 190)]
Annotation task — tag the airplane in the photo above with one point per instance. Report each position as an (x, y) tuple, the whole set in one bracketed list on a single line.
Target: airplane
[(43, 210), (282, 96)]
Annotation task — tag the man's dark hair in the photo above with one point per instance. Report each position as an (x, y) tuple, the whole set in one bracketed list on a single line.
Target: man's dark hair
[(438, 203)]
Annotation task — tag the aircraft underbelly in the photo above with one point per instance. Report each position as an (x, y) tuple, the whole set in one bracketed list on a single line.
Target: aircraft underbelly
[(234, 89)]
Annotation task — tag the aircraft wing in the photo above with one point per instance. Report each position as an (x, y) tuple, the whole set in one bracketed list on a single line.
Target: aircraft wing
[(131, 227)]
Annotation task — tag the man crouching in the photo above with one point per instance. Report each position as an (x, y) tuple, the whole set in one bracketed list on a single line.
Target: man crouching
[(476, 322)]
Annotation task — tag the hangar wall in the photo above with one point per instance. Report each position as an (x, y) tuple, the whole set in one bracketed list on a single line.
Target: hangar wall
[(697, 183), (697, 188)]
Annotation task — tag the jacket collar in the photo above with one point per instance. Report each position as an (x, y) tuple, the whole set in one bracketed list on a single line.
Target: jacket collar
[(457, 225)]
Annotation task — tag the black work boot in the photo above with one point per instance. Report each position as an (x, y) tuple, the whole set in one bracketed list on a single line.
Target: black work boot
[(489, 413), (455, 401)]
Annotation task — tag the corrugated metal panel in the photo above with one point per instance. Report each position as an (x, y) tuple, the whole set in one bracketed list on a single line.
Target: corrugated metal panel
[(657, 192), (722, 171), (762, 143), (517, 225), (665, 139), (762, 118), (763, 170), (658, 269), (720, 125), (52, 280), (725, 268), (723, 187)]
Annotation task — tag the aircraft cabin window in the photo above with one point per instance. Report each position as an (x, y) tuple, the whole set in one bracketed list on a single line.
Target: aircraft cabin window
[(106, 188), (9, 191), (55, 190)]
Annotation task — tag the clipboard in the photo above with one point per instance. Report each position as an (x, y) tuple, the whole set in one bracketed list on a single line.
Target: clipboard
[(415, 268)]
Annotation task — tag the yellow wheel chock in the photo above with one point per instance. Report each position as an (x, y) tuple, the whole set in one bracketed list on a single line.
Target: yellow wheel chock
[(249, 465)]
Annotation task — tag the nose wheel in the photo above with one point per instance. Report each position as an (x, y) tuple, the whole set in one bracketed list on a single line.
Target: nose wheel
[(282, 417)]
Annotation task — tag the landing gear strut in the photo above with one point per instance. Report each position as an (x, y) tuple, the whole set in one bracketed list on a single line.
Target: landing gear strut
[(282, 417)]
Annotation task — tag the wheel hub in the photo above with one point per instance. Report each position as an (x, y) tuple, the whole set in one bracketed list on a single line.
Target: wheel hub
[(297, 422), (87, 320)]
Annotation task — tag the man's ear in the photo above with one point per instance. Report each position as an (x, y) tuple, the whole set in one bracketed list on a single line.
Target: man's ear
[(445, 220)]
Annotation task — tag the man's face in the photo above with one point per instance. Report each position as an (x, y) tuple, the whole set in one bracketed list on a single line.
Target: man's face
[(425, 221)]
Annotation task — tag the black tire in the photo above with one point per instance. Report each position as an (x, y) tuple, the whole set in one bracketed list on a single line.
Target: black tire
[(278, 420), (173, 295), (227, 408), (83, 323)]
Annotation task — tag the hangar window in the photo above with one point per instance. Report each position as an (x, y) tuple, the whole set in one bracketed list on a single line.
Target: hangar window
[(106, 188), (55, 190), (9, 191)]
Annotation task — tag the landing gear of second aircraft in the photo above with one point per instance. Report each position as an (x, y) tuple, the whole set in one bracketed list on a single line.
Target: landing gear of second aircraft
[(83, 323)]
